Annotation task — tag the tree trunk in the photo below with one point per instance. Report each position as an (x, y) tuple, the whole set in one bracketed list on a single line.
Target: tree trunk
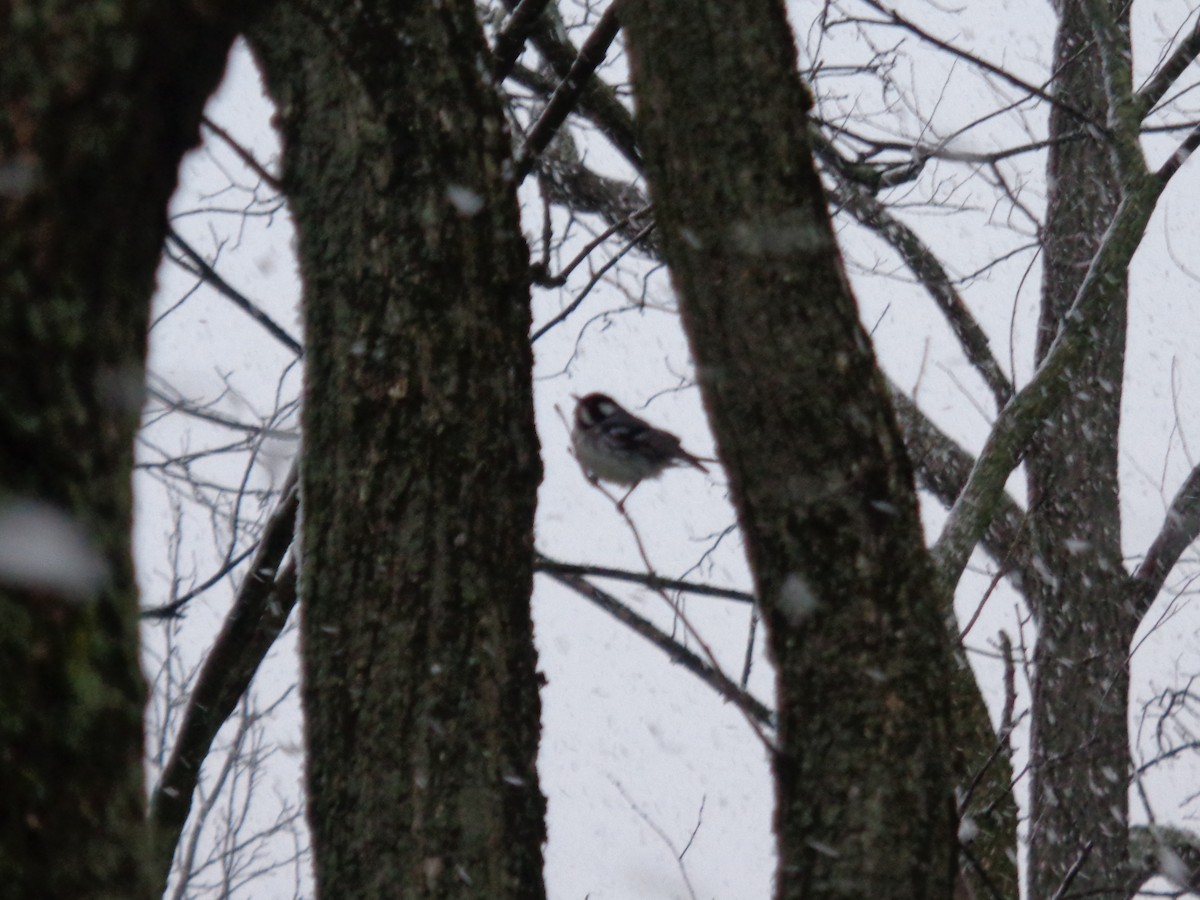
[(1080, 746), (98, 103), (801, 414), (420, 464)]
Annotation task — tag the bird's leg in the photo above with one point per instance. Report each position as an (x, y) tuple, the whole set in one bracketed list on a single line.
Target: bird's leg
[(621, 502)]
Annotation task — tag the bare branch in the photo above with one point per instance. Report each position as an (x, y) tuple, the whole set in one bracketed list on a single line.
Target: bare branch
[(894, 18), (655, 582), (544, 279), (243, 154), (511, 39), (943, 468), (167, 610), (258, 614), (202, 268), (1160, 82), (1178, 158), (1180, 527), (180, 404), (677, 653), (924, 150), (928, 269), (597, 102), (565, 97), (982, 496), (592, 282), (657, 829), (1073, 871)]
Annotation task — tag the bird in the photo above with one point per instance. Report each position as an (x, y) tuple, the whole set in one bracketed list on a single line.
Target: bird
[(612, 444)]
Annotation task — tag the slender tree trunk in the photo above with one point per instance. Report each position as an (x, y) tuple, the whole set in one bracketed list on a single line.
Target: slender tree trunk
[(98, 102), (1080, 743), (420, 464), (822, 484)]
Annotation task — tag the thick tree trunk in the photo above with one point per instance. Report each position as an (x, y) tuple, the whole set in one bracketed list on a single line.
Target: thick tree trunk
[(1080, 746), (98, 102), (802, 417), (420, 464)]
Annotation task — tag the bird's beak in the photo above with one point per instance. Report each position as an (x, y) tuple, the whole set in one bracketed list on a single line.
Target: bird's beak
[(576, 397)]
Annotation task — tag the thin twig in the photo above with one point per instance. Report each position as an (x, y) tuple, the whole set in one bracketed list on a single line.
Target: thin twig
[(696, 830), (548, 280), (662, 834), (749, 660), (691, 630), (1180, 527), (991, 588), (592, 282), (170, 610), (894, 18)]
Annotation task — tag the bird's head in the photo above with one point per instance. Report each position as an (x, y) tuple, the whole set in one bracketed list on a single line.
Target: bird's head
[(593, 408)]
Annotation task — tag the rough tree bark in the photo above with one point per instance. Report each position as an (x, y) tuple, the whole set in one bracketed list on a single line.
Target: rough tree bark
[(420, 463), (1079, 743), (98, 102), (818, 472)]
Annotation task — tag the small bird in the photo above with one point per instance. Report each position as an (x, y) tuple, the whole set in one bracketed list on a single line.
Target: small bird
[(612, 444)]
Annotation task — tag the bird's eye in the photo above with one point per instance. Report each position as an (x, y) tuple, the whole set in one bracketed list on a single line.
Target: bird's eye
[(606, 408)]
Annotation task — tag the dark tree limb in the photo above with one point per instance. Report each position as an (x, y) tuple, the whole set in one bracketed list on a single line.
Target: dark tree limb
[(1019, 421), (1172, 67), (173, 609), (209, 274), (98, 104), (512, 36), (654, 582), (676, 652), (1180, 528), (871, 213), (1181, 155), (1099, 196), (243, 154), (597, 100), (255, 619), (568, 93), (943, 468), (817, 468), (420, 472)]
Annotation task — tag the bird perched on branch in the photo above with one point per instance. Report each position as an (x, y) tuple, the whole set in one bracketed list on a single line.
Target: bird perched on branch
[(612, 444)]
